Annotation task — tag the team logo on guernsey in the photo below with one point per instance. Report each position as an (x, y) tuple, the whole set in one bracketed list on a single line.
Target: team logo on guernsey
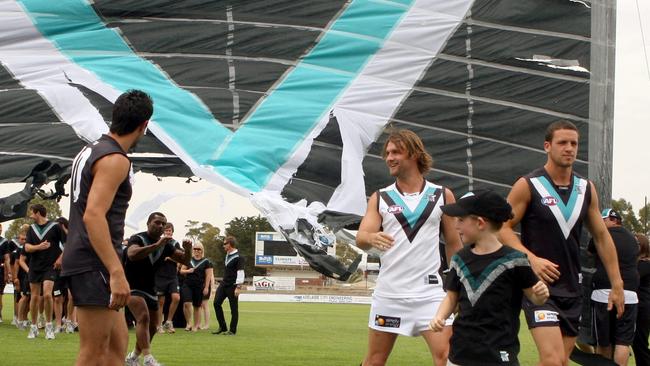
[(395, 209), (542, 316), (387, 321), (549, 201)]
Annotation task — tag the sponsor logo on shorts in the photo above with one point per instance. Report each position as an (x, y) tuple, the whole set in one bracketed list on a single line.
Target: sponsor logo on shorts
[(549, 201), (542, 316), (387, 321), (505, 357), (395, 209), (56, 292)]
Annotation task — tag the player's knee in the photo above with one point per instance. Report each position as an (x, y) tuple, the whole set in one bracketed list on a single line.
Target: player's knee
[(48, 297), (143, 318), (175, 296)]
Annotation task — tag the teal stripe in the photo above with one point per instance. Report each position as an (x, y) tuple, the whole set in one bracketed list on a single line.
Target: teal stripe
[(476, 282), (412, 216), (570, 206), (74, 27), (265, 142)]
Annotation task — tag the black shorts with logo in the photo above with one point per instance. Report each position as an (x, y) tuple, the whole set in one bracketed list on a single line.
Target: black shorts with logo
[(49, 274), (25, 290), (563, 312), (166, 286), (90, 288), (60, 286), (607, 329)]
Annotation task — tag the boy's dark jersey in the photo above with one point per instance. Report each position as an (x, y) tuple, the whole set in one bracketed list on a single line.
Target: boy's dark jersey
[(490, 289), (141, 273), (51, 231)]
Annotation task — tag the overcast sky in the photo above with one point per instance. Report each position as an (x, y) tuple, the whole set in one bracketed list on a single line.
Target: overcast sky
[(631, 163)]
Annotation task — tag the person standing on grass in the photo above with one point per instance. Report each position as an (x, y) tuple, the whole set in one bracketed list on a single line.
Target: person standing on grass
[(101, 190), (486, 281), (615, 336), (43, 240), (167, 284), (552, 203), (229, 287), (19, 274), (195, 286), (404, 221), (145, 252)]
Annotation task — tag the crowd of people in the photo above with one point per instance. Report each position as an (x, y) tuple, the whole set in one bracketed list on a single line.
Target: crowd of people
[(468, 315)]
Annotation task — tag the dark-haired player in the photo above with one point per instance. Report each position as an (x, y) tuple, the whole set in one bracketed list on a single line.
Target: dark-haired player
[(101, 190)]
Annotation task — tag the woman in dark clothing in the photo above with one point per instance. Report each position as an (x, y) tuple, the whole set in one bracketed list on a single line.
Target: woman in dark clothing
[(195, 286), (640, 344)]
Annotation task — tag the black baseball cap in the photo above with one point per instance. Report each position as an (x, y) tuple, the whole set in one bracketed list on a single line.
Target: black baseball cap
[(611, 213), (484, 203)]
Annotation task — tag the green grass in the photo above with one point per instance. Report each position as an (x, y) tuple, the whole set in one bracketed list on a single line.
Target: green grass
[(268, 334)]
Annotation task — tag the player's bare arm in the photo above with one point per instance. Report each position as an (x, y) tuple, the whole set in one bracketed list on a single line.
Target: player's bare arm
[(186, 269), (31, 248), (22, 261), (519, 198), (183, 256), (447, 307), (208, 281), (452, 238), (607, 253), (135, 252), (109, 172), (369, 235)]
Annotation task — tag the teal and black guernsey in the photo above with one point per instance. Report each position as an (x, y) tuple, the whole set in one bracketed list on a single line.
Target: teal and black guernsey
[(552, 226), (490, 289)]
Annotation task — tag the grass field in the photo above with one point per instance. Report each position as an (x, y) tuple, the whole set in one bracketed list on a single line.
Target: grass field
[(268, 334)]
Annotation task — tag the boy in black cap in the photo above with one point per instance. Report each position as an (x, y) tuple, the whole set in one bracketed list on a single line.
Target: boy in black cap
[(486, 280)]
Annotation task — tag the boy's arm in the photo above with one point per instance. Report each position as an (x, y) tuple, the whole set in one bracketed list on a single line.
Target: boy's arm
[(447, 306), (538, 294)]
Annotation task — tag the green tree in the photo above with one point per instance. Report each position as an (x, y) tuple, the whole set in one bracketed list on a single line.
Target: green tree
[(625, 209), (53, 213), (243, 229), (644, 219)]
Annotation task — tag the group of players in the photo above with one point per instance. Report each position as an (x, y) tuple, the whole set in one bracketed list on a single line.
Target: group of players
[(88, 258), (32, 263), (486, 281), (497, 273), (152, 260)]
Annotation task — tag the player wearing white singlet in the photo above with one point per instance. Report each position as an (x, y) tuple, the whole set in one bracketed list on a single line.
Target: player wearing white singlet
[(403, 222)]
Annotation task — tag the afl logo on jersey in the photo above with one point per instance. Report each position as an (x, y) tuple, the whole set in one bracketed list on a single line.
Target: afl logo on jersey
[(549, 201), (395, 209)]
